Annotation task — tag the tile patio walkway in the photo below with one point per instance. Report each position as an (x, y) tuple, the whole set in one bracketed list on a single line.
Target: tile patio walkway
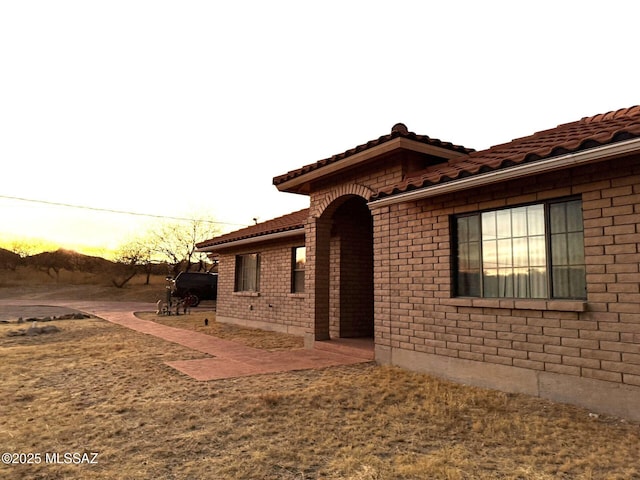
[(230, 359)]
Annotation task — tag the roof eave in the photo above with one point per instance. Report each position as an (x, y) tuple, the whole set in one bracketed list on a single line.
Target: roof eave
[(583, 157), (298, 183), (255, 239)]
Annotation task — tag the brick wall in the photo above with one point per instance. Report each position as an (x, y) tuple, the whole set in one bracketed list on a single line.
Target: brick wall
[(274, 307), (597, 339)]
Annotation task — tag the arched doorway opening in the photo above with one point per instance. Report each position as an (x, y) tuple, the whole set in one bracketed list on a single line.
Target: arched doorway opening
[(348, 272)]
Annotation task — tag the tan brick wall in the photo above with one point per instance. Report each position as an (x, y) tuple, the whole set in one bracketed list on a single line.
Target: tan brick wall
[(274, 306), (599, 339)]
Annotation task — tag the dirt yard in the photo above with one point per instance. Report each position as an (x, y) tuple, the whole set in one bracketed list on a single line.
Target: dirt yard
[(98, 388)]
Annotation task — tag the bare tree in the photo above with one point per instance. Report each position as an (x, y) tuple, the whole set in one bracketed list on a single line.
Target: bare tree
[(128, 260), (176, 242)]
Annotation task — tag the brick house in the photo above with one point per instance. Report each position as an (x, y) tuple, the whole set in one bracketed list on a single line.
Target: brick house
[(515, 268)]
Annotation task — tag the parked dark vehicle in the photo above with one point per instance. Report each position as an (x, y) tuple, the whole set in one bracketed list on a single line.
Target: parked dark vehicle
[(197, 285)]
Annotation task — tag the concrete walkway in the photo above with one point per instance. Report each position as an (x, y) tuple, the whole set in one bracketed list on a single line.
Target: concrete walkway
[(230, 359)]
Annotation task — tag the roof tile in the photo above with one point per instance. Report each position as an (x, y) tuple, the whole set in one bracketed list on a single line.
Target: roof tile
[(284, 223), (398, 130), (589, 132)]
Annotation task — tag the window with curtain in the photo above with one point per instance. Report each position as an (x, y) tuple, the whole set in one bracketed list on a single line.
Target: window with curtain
[(532, 251), (247, 272), (298, 262)]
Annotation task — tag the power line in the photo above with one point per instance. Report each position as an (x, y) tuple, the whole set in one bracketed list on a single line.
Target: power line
[(120, 212)]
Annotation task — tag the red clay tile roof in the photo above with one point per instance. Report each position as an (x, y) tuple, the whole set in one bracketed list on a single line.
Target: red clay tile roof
[(399, 130), (285, 223), (589, 132)]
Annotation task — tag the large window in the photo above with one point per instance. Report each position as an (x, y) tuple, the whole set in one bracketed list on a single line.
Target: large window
[(247, 273), (298, 262), (533, 251)]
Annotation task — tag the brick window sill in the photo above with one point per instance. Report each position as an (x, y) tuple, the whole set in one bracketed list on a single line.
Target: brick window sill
[(518, 304), (296, 295), (246, 294)]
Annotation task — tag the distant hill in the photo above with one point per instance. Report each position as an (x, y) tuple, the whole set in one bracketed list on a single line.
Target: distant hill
[(72, 261), (9, 260), (69, 260), (58, 260)]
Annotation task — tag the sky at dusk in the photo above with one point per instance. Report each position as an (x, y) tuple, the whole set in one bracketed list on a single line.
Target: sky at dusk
[(189, 109)]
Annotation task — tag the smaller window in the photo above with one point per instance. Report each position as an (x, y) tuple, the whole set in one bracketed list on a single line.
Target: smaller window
[(247, 272), (298, 262)]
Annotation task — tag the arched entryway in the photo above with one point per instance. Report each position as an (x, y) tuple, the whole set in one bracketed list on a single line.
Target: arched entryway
[(344, 274)]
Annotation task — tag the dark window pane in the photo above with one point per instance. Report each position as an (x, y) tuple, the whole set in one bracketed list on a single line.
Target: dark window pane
[(577, 282), (463, 229), (463, 256), (561, 282), (474, 228), (559, 249), (575, 248), (298, 282), (490, 283), (558, 218), (474, 256), (574, 216), (567, 250), (469, 283), (468, 256)]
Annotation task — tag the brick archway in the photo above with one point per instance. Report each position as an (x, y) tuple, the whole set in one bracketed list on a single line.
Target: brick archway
[(343, 300), (335, 198)]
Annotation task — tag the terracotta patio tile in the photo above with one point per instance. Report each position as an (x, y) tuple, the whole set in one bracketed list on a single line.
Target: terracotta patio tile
[(231, 359)]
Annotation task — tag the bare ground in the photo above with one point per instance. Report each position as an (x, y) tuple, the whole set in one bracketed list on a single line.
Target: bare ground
[(97, 387)]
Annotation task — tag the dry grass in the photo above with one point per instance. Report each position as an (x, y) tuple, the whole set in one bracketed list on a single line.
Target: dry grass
[(97, 387), (250, 337)]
